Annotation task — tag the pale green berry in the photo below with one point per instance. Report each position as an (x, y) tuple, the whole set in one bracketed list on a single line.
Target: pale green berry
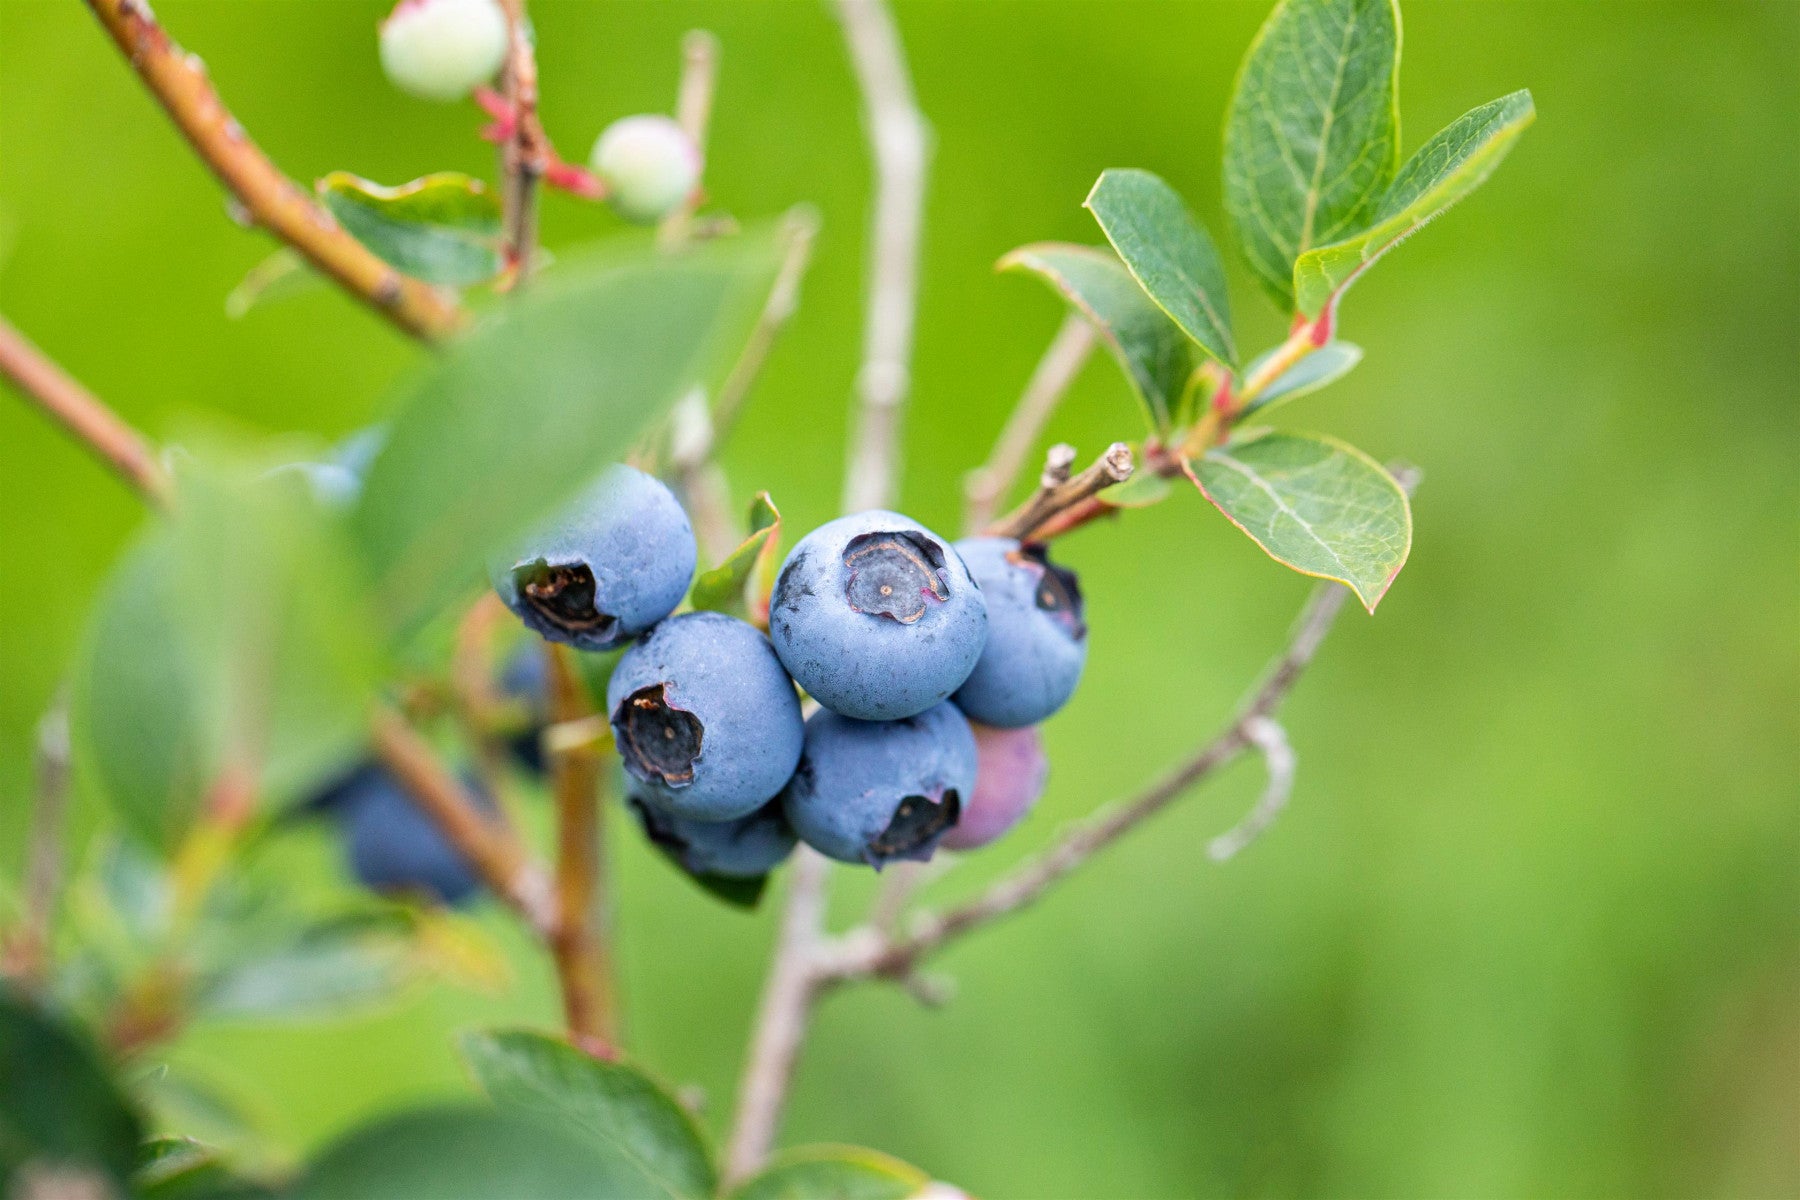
[(443, 49), (649, 166)]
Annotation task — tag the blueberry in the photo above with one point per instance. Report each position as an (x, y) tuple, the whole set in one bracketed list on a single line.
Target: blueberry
[(1037, 640), (705, 719), (874, 791), (746, 848), (392, 846), (876, 617), (613, 564), (1010, 770)]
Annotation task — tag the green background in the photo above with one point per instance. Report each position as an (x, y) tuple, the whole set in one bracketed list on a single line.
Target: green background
[(1531, 926)]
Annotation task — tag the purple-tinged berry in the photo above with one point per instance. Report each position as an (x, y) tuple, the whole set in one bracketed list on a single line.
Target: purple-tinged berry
[(876, 617), (649, 165), (1010, 771), (443, 49), (705, 719), (1037, 638), (875, 791), (613, 564)]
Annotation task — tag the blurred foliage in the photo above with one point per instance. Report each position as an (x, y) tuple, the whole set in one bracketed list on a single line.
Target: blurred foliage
[(1531, 925)]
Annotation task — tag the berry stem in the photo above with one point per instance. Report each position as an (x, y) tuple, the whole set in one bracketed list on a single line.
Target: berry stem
[(179, 83), (1055, 496), (524, 154)]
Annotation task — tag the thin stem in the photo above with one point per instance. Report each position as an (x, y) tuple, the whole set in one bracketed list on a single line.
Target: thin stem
[(782, 1017), (799, 229), (499, 858), (82, 414), (28, 951), (179, 83), (1267, 735), (866, 952), (898, 135), (693, 112), (524, 154), (1055, 496), (580, 946), (1056, 370)]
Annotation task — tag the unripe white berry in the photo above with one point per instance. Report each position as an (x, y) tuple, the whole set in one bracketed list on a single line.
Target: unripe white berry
[(443, 49), (649, 166)]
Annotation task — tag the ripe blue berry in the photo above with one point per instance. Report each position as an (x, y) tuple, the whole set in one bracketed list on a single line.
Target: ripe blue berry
[(443, 49), (746, 848), (649, 165), (876, 617), (392, 846), (1010, 770), (874, 791), (612, 565), (1037, 640), (705, 719)]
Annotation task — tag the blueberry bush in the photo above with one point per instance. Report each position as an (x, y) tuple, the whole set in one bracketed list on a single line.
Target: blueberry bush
[(530, 586)]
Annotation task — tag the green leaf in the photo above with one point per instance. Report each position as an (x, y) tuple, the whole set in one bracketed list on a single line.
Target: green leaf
[(180, 1168), (1168, 253), (59, 1111), (1324, 366), (1313, 503), (235, 632), (1157, 357), (1313, 134), (726, 588), (470, 1153), (326, 969), (444, 228), (833, 1173), (516, 416), (282, 274), (1445, 169), (1142, 490), (613, 1104)]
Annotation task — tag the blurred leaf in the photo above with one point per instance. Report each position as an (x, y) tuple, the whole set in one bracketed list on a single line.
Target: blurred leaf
[(282, 274), (470, 1153), (1324, 366), (1312, 503), (234, 631), (734, 890), (444, 228), (1142, 490), (1168, 253), (460, 949), (59, 1110), (1313, 134), (326, 969), (607, 1101), (514, 417), (1158, 358), (1445, 169), (725, 588), (180, 1168), (833, 1173)]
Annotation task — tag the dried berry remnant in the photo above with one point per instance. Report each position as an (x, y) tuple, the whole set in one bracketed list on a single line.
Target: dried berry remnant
[(876, 617), (1010, 771), (875, 791), (894, 574), (708, 724), (607, 568), (1037, 634), (443, 49), (656, 739)]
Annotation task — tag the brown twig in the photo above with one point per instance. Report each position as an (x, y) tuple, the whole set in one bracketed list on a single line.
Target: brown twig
[(178, 81), (82, 414), (500, 859), (524, 152), (28, 951), (693, 112), (1057, 495), (1056, 370), (580, 946)]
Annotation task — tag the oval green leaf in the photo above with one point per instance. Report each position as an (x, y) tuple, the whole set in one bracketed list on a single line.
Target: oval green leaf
[(516, 416), (833, 1173), (470, 1153), (1324, 366), (615, 1105), (1157, 357), (1168, 253), (443, 229), (1445, 169), (59, 1112), (1313, 503), (1313, 133), (726, 588)]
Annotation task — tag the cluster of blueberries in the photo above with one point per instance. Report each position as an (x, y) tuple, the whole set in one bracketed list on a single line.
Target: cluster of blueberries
[(931, 663)]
